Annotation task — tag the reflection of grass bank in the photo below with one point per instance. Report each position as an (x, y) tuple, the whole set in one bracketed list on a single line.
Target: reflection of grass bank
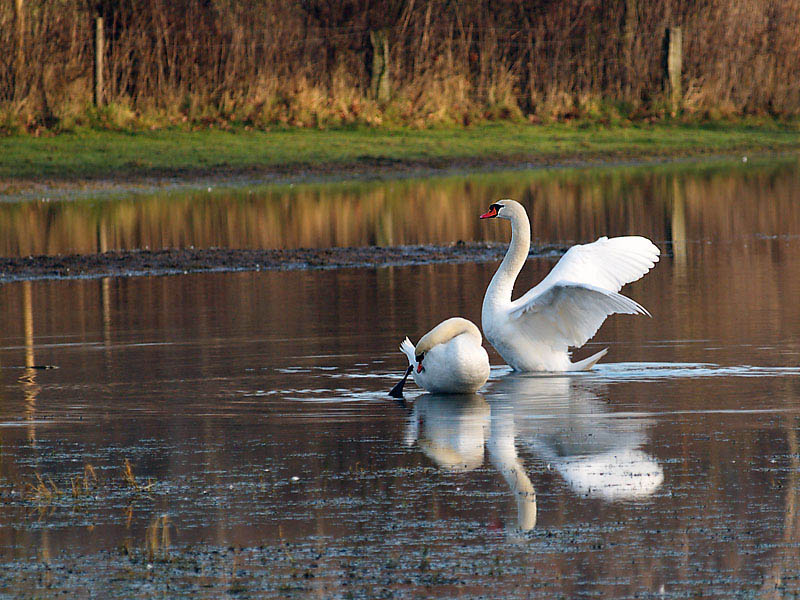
[(74, 158), (719, 196)]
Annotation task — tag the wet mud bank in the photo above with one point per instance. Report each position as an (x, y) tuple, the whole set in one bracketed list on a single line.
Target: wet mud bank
[(132, 263)]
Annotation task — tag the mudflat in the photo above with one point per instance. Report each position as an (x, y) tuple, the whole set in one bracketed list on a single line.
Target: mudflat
[(173, 261)]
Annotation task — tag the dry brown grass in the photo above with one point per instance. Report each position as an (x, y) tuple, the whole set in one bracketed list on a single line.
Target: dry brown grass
[(307, 63), (42, 492), (130, 479), (83, 484)]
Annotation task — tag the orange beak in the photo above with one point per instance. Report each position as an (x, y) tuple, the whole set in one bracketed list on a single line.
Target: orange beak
[(419, 368), (488, 215)]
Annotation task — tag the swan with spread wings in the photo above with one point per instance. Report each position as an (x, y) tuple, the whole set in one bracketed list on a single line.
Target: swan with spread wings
[(535, 331)]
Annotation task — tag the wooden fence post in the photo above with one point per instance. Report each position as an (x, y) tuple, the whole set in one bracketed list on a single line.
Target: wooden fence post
[(628, 34), (380, 65), (99, 49), (19, 17), (674, 66)]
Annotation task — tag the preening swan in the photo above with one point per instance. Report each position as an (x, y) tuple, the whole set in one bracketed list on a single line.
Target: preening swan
[(449, 359), (534, 332)]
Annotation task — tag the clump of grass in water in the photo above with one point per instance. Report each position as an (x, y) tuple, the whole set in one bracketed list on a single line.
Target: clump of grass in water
[(45, 491), (130, 479), (82, 485), (42, 493)]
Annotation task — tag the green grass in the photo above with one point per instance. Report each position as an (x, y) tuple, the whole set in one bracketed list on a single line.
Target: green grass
[(91, 155)]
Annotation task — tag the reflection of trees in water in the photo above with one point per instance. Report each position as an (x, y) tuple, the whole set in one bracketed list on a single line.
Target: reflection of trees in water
[(564, 206), (28, 378)]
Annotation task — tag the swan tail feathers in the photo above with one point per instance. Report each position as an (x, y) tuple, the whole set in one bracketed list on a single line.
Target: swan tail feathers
[(407, 348), (588, 363)]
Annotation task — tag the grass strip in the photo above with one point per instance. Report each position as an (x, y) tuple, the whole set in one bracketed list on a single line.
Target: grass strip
[(183, 155)]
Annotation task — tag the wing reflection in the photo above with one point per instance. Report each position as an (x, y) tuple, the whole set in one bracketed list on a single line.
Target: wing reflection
[(564, 422)]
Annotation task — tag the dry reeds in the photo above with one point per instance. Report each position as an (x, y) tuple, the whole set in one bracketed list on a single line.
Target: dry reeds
[(308, 63), (130, 479), (83, 484), (45, 492), (158, 538), (42, 492)]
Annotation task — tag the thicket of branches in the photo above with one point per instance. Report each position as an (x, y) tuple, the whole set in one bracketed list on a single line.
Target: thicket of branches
[(308, 62)]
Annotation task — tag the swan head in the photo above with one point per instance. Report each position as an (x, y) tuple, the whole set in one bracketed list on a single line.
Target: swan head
[(502, 209)]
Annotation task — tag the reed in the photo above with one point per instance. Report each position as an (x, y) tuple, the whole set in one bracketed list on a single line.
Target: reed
[(83, 484), (130, 479), (42, 492), (221, 62)]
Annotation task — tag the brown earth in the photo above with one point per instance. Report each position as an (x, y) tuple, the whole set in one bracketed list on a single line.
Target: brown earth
[(129, 263)]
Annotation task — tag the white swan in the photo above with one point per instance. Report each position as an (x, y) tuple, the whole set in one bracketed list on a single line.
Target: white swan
[(449, 359), (535, 331)]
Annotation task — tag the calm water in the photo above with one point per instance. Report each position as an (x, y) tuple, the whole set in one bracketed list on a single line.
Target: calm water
[(267, 459), (709, 201)]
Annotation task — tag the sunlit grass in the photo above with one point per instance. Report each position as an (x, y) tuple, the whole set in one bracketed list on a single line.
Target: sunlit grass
[(43, 492), (181, 153), (84, 484)]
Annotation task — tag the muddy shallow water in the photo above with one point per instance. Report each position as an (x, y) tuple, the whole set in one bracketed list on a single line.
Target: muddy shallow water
[(230, 434)]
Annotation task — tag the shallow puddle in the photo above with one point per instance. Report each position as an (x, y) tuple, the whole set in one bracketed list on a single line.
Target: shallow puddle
[(230, 434)]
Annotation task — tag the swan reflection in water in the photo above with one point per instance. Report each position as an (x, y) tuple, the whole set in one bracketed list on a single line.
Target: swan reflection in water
[(562, 420), (453, 431)]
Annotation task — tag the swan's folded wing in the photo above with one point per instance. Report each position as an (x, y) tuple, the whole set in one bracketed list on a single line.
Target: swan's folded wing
[(607, 264), (569, 313)]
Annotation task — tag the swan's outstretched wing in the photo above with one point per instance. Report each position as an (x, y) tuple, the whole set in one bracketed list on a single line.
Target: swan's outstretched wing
[(606, 264), (572, 302)]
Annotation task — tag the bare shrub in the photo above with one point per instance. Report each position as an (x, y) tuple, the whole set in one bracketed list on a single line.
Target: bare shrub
[(308, 63)]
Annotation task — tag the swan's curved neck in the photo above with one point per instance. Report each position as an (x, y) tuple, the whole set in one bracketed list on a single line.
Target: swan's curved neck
[(502, 284), (446, 331)]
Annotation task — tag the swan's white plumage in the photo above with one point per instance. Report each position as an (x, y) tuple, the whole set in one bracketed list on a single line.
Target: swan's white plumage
[(454, 362), (534, 332), (569, 314), (407, 348)]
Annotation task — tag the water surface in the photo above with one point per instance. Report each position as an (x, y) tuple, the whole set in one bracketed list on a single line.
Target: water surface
[(267, 459), (691, 201)]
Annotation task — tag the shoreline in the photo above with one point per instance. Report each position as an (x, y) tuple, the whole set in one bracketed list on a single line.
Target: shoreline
[(108, 163), (32, 191), (184, 261)]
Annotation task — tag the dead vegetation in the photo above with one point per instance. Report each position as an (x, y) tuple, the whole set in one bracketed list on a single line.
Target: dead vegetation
[(45, 492), (309, 63)]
